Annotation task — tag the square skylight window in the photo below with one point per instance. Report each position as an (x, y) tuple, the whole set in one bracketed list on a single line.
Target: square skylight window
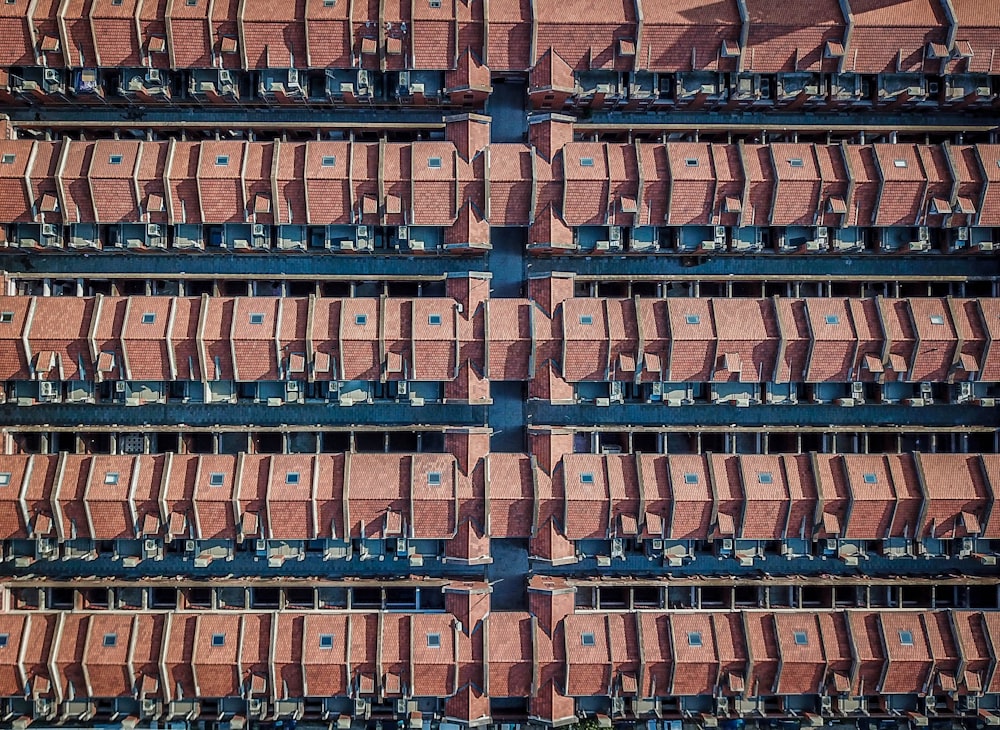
[(115, 160), (433, 641), (586, 162), (801, 638), (434, 319), (434, 478), (216, 479), (586, 319), (694, 638), (434, 163), (870, 478), (690, 478), (692, 318), (292, 477), (329, 3), (691, 162), (8, 159), (222, 160), (586, 478), (149, 318), (326, 641), (796, 162), (899, 163), (4, 479), (191, 3), (256, 319), (832, 319), (218, 639), (587, 639), (6, 317), (434, 3), (905, 637), (4, 638), (110, 640), (111, 477), (329, 160), (361, 319), (765, 477), (937, 319)]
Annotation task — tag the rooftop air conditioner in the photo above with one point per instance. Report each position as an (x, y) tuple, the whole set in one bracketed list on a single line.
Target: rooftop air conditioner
[(727, 543), (657, 544), (153, 76), (963, 233), (47, 389), (119, 386), (923, 233), (292, 386), (360, 706), (822, 233), (857, 390), (258, 229), (49, 230), (150, 545), (364, 232), (968, 545), (260, 545), (617, 548), (293, 77), (657, 389), (826, 705), (720, 234), (964, 391), (617, 705), (149, 707), (225, 77), (615, 233), (153, 230), (51, 74), (403, 233), (402, 387), (400, 707)]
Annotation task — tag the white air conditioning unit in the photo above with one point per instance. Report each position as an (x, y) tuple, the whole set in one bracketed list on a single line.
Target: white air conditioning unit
[(260, 545), (254, 706), (401, 547), (292, 386), (51, 74), (831, 544), (720, 235), (153, 230), (968, 545), (293, 77), (364, 232), (858, 390), (657, 544), (47, 389), (403, 233), (923, 233), (986, 245), (925, 391), (189, 546), (402, 387), (150, 707), (617, 548), (225, 77), (617, 705), (822, 233), (258, 229), (722, 706), (49, 230), (153, 76), (119, 386), (150, 545), (400, 707), (963, 233), (45, 546), (826, 705), (727, 543), (616, 390), (657, 389), (360, 707), (615, 233), (964, 391), (364, 79)]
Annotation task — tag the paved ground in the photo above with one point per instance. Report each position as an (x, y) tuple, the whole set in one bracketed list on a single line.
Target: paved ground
[(506, 106), (801, 414), (249, 415)]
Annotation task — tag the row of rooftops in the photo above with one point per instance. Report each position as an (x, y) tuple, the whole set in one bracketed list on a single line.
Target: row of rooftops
[(470, 655), (471, 338), (466, 184), (862, 36), (554, 497)]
